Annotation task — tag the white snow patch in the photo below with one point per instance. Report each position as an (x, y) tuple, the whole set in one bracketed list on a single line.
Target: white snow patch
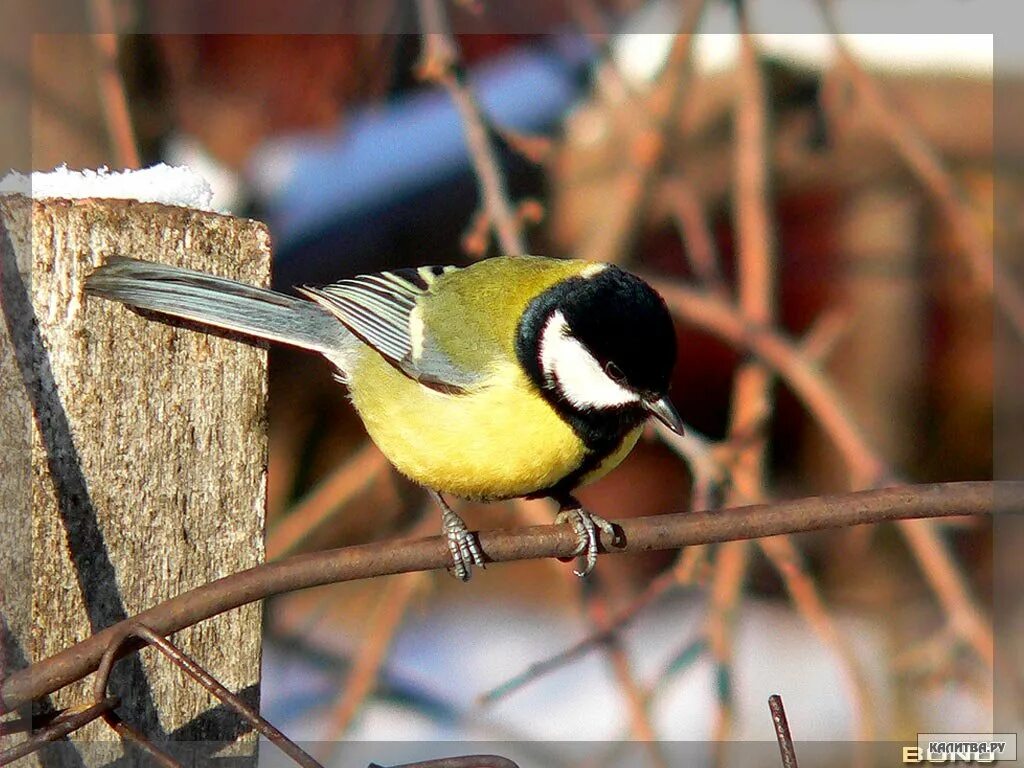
[(161, 183)]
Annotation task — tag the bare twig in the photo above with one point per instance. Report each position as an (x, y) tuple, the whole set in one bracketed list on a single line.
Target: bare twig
[(754, 233), (139, 739), (706, 472), (726, 591), (658, 588), (833, 415), (111, 85), (129, 630), (440, 63), (640, 534), (927, 166), (752, 388), (350, 477), (392, 606), (939, 566), (828, 330), (689, 653), (785, 357), (648, 148), (928, 654), (786, 559), (597, 613), (698, 240), (64, 725), (641, 725), (781, 725)]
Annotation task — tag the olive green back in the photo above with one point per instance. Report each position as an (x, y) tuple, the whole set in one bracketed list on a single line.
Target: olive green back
[(476, 316)]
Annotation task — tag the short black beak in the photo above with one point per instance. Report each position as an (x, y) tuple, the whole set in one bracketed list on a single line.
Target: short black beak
[(663, 410)]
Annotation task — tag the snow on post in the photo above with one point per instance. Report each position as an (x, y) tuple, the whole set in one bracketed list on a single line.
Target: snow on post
[(132, 453)]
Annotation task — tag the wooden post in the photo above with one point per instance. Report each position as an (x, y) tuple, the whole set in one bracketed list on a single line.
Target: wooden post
[(134, 463)]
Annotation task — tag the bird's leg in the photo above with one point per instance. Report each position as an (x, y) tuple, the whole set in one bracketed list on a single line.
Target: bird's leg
[(461, 542), (585, 524)]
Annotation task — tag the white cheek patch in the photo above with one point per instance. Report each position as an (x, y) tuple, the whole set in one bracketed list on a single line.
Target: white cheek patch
[(575, 372)]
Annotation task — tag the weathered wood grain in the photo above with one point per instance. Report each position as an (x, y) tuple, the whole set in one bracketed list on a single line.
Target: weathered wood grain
[(135, 454)]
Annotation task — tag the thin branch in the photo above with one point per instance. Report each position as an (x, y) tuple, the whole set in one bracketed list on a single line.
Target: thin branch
[(726, 591), (128, 733), (347, 480), (827, 332), (938, 564), (755, 238), (597, 613), (608, 78), (832, 414), (659, 587), (111, 85), (641, 725), (698, 240), (440, 63), (392, 606), (786, 559), (689, 653), (708, 475), (928, 167), (641, 534), (752, 388), (784, 356), (648, 148)]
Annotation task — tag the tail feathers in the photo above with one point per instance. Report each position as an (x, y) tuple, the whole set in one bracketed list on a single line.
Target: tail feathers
[(220, 303)]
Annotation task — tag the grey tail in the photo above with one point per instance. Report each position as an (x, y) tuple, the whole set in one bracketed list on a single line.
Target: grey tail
[(219, 302)]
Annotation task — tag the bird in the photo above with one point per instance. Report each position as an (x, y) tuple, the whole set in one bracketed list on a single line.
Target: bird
[(512, 377)]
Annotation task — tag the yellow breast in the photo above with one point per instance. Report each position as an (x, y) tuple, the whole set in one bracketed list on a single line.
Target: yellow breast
[(499, 442)]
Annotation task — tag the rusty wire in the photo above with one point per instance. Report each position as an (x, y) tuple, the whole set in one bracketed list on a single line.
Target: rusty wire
[(782, 734), (466, 761), (129, 733), (641, 534), (130, 630), (63, 725)]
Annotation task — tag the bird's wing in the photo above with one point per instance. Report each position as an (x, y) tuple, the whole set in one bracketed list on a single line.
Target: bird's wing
[(384, 310)]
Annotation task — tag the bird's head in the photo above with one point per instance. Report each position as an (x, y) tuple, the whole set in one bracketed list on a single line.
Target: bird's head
[(601, 346)]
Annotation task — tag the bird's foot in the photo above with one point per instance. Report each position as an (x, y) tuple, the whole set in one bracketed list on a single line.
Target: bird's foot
[(462, 542), (585, 524)]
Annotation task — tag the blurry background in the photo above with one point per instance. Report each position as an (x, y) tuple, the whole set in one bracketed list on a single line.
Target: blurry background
[(620, 136)]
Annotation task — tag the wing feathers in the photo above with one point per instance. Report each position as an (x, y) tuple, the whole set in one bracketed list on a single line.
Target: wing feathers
[(378, 309)]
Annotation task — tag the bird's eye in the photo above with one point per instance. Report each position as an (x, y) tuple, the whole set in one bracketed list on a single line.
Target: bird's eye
[(614, 372)]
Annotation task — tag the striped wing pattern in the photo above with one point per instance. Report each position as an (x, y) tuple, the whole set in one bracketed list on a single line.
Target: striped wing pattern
[(378, 308)]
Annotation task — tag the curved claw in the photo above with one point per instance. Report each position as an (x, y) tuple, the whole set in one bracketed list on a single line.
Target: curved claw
[(465, 551), (462, 543), (585, 524)]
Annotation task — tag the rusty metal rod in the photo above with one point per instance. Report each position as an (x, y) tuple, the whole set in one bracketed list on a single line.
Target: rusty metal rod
[(188, 665), (64, 725), (668, 531), (466, 761), (782, 734)]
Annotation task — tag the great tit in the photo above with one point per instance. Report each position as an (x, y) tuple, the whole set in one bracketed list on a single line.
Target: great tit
[(513, 377)]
